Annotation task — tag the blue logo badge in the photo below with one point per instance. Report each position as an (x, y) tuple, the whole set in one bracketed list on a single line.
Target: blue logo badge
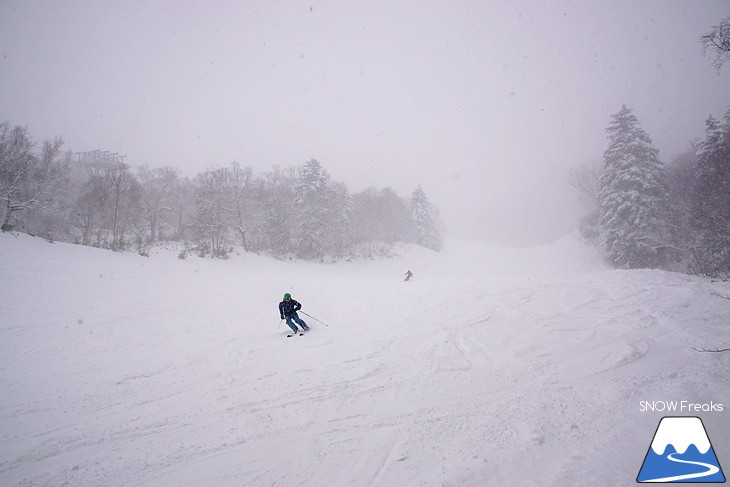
[(681, 452)]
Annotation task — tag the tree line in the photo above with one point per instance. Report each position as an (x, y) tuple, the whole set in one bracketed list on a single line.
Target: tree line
[(650, 215), (299, 211), (647, 214)]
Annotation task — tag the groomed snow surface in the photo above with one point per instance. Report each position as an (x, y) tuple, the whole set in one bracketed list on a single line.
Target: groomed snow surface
[(490, 367)]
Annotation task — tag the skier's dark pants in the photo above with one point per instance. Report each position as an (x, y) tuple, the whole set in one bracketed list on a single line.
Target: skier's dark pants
[(294, 316)]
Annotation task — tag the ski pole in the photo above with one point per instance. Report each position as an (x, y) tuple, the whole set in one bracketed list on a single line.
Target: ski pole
[(325, 324), (279, 324)]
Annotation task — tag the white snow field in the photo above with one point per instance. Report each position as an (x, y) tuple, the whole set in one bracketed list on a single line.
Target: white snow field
[(491, 367)]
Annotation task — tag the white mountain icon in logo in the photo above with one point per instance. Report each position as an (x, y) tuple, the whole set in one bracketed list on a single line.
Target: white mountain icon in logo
[(680, 451)]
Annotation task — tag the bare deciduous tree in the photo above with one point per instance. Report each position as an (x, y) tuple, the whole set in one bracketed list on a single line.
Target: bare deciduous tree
[(109, 207), (717, 42), (124, 203), (237, 199), (158, 187), (585, 179), (28, 180)]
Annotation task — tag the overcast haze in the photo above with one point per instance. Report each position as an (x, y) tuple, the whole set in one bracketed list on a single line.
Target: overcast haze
[(485, 104)]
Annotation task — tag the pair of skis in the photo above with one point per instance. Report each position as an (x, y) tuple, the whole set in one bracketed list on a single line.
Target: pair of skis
[(301, 332), (298, 332)]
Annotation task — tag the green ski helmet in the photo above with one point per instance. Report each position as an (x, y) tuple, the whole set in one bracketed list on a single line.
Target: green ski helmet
[(287, 296)]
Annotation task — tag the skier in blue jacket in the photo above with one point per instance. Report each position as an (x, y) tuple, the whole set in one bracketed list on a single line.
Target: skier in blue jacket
[(288, 309)]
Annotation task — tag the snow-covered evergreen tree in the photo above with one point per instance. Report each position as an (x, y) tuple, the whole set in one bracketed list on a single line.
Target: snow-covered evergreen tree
[(424, 220), (711, 199), (632, 196)]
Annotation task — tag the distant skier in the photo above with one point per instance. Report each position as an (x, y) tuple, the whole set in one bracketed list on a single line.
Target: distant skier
[(408, 274), (288, 309)]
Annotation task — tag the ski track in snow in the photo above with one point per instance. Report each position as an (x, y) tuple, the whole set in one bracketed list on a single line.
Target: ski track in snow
[(490, 367)]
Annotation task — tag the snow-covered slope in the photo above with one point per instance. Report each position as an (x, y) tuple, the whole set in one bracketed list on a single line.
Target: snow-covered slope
[(490, 367)]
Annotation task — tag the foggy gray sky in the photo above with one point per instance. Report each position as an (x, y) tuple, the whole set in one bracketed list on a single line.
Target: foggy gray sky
[(487, 104)]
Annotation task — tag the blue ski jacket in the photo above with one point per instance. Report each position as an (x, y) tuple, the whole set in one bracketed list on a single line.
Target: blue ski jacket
[(288, 308)]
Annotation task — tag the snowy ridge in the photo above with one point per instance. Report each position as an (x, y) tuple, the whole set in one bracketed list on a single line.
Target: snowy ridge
[(490, 367)]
